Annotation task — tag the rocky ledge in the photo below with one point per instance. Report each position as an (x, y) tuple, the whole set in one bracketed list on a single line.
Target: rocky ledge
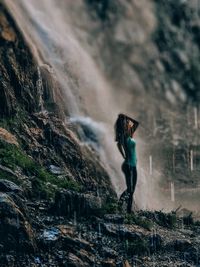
[(76, 230)]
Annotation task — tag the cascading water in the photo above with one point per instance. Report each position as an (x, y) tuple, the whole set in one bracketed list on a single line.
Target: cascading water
[(90, 97)]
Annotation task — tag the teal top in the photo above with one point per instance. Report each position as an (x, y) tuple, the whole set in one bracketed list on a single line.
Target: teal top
[(131, 157)]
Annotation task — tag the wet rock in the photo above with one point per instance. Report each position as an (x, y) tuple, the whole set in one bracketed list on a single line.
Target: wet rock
[(76, 243), (70, 203), (126, 264), (7, 261), (124, 233), (15, 231), (15, 192), (108, 252), (182, 245), (8, 186), (49, 237), (121, 232), (109, 263), (67, 230), (109, 229), (137, 247), (8, 137), (74, 261), (55, 169), (155, 242), (114, 218), (18, 75), (86, 256), (192, 254), (8, 171)]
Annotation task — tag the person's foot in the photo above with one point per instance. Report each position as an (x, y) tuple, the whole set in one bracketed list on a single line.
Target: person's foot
[(122, 202)]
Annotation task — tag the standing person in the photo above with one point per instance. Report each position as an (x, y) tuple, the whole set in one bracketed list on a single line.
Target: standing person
[(125, 128)]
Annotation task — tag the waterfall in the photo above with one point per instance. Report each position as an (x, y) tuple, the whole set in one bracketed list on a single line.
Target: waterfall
[(61, 42)]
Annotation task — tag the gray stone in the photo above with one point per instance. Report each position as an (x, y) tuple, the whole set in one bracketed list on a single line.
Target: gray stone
[(55, 170), (114, 218), (8, 186), (72, 204)]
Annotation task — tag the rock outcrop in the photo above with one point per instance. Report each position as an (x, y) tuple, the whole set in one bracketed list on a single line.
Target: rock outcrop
[(18, 69), (16, 232), (70, 204)]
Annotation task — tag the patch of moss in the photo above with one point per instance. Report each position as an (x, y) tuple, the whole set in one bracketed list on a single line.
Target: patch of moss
[(166, 219), (8, 176), (11, 156), (110, 206), (14, 121), (44, 182), (138, 220)]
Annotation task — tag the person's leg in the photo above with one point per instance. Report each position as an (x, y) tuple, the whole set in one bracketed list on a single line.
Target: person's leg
[(129, 184), (131, 189), (124, 196), (134, 178)]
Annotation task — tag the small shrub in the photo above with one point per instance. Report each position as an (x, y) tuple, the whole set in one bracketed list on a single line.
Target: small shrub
[(109, 207), (166, 219), (139, 220)]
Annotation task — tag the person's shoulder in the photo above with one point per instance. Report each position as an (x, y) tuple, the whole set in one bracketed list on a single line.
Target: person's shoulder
[(132, 140)]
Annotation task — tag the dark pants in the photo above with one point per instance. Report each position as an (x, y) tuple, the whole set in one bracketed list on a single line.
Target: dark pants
[(130, 173)]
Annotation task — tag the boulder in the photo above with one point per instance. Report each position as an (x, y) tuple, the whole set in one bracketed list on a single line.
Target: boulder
[(119, 231), (73, 204), (15, 231), (7, 186), (15, 192), (50, 237)]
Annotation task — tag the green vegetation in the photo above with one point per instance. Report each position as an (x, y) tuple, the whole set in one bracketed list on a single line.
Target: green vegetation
[(166, 219), (9, 176), (10, 122), (109, 206), (43, 182), (138, 220)]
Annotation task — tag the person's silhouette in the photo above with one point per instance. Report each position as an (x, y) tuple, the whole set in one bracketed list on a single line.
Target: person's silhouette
[(125, 128)]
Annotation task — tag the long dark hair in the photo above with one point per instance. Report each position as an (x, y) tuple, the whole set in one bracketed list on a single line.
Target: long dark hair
[(121, 128)]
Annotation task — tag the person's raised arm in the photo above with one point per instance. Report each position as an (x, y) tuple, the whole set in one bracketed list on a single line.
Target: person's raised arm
[(135, 124)]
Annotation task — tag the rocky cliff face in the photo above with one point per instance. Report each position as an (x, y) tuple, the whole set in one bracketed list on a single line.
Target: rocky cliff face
[(18, 70)]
